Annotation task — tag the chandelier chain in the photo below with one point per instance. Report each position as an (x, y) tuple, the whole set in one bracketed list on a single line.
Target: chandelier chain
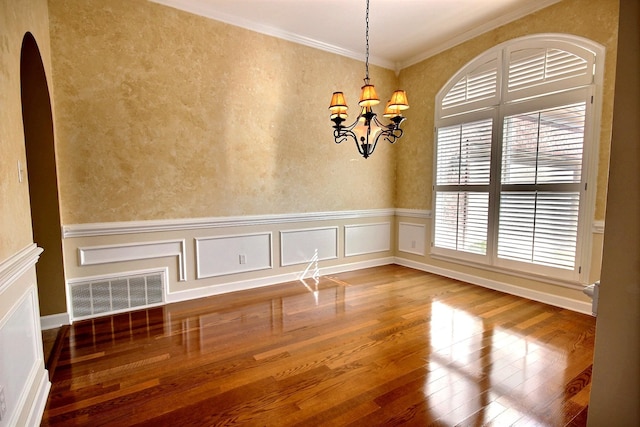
[(367, 46)]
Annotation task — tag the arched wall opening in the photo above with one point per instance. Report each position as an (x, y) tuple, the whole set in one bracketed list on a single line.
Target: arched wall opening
[(41, 174)]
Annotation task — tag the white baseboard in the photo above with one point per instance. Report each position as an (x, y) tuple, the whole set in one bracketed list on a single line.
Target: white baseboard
[(40, 401), (557, 301), (271, 280), (54, 321)]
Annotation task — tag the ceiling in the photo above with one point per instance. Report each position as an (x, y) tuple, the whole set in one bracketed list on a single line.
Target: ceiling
[(401, 32)]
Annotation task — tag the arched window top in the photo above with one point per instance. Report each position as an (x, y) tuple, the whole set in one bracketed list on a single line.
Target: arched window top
[(518, 69)]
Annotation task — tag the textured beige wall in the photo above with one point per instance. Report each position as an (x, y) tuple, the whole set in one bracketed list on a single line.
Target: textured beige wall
[(594, 19), (16, 18), (162, 114), (615, 392)]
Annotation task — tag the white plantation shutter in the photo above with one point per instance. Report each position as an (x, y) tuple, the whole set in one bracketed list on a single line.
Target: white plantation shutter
[(540, 185), (461, 221), (540, 70), (478, 87), (539, 227), (510, 146), (463, 153), (463, 162), (544, 146)]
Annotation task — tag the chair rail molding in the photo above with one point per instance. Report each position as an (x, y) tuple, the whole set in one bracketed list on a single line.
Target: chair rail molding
[(15, 266), (152, 226)]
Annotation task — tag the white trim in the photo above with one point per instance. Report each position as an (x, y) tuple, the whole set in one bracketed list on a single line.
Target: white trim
[(151, 226), (93, 255), (597, 227), (53, 321), (477, 31), (34, 418), (242, 285), (529, 275), (200, 9), (555, 300), (16, 265), (414, 213)]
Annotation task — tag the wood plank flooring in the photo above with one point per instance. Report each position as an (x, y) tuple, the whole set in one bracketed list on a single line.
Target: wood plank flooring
[(381, 346)]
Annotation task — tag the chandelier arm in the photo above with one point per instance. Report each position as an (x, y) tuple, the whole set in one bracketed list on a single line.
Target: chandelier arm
[(392, 135), (342, 135)]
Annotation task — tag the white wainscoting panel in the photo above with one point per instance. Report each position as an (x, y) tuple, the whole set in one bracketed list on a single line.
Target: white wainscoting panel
[(20, 354), (363, 239), (411, 238), (222, 255), (136, 251), (302, 246)]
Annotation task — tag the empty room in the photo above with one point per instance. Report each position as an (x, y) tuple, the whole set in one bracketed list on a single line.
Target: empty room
[(278, 212)]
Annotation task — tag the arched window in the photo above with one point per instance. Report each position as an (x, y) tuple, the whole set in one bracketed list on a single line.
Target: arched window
[(515, 150)]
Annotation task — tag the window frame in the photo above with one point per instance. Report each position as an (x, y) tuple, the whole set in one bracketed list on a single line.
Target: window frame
[(503, 104)]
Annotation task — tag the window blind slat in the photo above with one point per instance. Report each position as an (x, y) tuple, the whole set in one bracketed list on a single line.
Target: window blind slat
[(463, 153), (477, 85), (539, 227), (461, 221), (544, 146), (531, 67)]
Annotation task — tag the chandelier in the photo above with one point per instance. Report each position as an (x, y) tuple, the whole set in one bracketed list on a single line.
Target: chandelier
[(366, 130)]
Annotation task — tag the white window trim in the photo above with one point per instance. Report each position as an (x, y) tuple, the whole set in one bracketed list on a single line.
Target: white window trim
[(500, 105)]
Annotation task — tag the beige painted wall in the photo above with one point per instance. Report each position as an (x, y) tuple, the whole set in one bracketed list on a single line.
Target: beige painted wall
[(16, 18), (594, 19), (162, 114), (615, 394)]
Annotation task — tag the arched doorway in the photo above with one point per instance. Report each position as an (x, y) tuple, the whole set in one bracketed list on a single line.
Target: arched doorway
[(41, 172)]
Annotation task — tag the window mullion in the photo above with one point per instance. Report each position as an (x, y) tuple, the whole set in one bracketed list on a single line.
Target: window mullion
[(494, 184)]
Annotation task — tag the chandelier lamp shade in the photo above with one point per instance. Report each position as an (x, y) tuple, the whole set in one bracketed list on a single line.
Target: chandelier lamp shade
[(367, 130)]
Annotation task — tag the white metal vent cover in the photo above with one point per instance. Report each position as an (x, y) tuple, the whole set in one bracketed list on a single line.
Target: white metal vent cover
[(93, 297)]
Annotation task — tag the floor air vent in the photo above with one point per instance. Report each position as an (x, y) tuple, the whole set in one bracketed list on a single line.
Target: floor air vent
[(118, 294)]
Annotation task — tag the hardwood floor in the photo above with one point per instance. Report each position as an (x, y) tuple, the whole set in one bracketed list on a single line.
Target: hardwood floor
[(382, 346)]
